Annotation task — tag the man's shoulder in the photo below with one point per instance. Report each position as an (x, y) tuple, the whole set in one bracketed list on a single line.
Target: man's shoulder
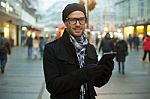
[(53, 43), (91, 46)]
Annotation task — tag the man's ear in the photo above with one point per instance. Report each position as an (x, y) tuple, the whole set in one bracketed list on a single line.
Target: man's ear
[(66, 23)]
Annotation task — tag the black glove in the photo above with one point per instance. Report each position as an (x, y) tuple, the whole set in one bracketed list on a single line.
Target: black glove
[(93, 71), (107, 72), (108, 66)]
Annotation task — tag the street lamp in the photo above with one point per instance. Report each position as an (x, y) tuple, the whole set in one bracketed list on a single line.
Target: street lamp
[(90, 5)]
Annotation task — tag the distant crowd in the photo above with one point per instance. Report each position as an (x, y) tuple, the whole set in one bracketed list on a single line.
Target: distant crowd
[(123, 47), (36, 46)]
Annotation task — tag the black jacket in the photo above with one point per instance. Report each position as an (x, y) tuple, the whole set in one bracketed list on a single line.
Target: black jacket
[(62, 73), (5, 47), (106, 45), (122, 50)]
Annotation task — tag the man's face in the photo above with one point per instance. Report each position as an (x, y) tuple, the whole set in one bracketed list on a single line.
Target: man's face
[(75, 23)]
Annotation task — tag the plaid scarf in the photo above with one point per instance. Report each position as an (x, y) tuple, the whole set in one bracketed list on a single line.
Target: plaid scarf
[(80, 47)]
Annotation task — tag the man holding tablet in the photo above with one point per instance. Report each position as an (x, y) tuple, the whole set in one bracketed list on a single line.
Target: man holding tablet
[(70, 62)]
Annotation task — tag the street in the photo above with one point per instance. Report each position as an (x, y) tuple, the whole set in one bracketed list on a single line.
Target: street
[(24, 79)]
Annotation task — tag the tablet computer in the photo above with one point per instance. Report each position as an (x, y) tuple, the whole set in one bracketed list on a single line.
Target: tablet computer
[(107, 57)]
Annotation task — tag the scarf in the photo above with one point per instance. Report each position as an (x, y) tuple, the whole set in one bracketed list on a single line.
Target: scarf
[(80, 47)]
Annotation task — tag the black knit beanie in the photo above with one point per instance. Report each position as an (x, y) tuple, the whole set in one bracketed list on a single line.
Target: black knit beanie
[(71, 8)]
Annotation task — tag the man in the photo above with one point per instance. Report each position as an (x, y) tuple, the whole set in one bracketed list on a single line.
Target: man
[(29, 43), (70, 62), (4, 50), (106, 44)]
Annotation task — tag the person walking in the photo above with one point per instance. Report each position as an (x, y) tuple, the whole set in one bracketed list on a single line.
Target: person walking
[(107, 44), (42, 43), (36, 47), (29, 43), (130, 42), (136, 42), (70, 62), (146, 46), (4, 50), (122, 51)]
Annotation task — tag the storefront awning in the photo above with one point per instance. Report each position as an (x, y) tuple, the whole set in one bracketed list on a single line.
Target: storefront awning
[(5, 17)]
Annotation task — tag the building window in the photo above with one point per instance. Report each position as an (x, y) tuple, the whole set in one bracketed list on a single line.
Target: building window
[(141, 8)]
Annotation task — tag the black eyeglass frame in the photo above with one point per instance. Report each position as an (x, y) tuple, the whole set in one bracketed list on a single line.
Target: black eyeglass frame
[(77, 19)]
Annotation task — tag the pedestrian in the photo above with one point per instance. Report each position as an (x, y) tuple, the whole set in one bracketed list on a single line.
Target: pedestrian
[(107, 44), (122, 52), (146, 46), (36, 47), (29, 43), (136, 42), (41, 45), (4, 50), (130, 41), (70, 62)]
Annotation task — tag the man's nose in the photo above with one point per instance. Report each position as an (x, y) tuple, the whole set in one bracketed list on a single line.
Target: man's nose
[(77, 23)]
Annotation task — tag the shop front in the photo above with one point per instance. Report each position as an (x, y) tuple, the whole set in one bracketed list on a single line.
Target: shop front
[(10, 32), (140, 28), (148, 29)]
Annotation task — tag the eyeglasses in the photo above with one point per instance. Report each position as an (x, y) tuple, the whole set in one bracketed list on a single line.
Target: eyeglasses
[(73, 21)]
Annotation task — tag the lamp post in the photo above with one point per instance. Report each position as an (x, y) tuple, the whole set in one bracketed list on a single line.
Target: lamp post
[(90, 5), (87, 14)]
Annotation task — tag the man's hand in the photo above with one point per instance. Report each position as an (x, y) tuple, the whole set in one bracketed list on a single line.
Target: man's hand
[(93, 71)]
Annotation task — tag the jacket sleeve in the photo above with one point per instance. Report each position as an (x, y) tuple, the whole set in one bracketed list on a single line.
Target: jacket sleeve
[(108, 67), (56, 83)]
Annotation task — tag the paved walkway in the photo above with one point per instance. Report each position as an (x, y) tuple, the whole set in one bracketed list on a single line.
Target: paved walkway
[(23, 78), (133, 85)]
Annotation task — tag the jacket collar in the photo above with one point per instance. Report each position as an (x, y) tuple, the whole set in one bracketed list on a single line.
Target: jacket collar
[(67, 47), (67, 52)]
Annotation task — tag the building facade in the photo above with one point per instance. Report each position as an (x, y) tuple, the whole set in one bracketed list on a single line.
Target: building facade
[(15, 14), (133, 17)]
